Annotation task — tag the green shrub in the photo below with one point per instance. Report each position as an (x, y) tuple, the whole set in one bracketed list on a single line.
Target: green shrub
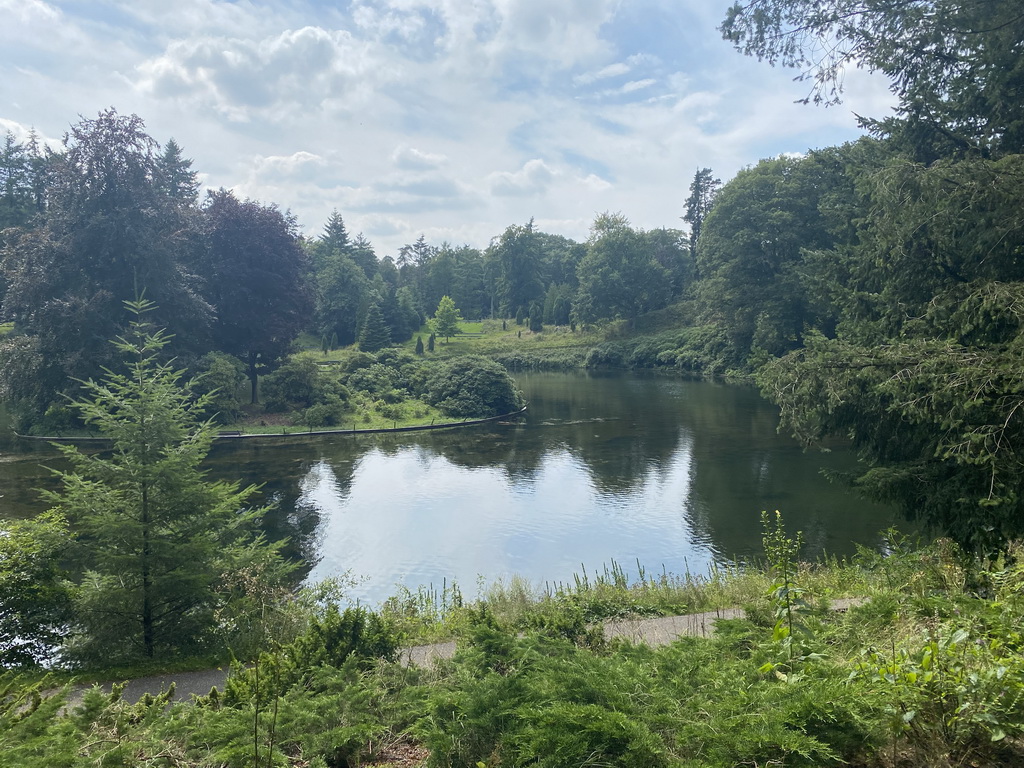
[(472, 386), (327, 414), (223, 375), (301, 383), (375, 380)]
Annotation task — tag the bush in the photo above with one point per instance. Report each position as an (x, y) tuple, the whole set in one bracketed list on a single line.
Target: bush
[(610, 354), (472, 386), (301, 383), (327, 414), (376, 380), (221, 374)]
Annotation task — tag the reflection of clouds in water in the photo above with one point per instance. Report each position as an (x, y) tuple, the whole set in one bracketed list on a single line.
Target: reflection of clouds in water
[(414, 518)]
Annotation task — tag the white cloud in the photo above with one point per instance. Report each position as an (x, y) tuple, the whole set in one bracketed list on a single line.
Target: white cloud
[(242, 78), (28, 12), (452, 118), (533, 178), (637, 85), (300, 166), (612, 70), (412, 159)]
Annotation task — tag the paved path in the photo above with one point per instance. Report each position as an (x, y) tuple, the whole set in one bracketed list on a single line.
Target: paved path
[(652, 631)]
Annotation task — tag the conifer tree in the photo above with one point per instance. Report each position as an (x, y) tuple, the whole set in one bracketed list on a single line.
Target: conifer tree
[(375, 334), (155, 538)]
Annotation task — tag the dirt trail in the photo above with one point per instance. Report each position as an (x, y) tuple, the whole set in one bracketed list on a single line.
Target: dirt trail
[(651, 631)]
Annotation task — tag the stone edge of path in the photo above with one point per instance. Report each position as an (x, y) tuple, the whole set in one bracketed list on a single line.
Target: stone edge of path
[(654, 632)]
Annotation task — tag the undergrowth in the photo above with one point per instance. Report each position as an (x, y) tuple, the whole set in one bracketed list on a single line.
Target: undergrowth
[(925, 670)]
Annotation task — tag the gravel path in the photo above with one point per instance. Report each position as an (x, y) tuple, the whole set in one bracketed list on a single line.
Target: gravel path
[(652, 631)]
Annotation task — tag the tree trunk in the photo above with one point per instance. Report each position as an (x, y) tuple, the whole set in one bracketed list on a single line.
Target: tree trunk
[(147, 578), (253, 377)]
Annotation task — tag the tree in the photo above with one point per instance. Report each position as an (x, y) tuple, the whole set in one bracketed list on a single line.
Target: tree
[(335, 236), (446, 318), (517, 258), (703, 189), (431, 339), (110, 230), (154, 537), (954, 65), (419, 345), (619, 276), (17, 171), (375, 334), (175, 175), (756, 285), (536, 319), (34, 596), (258, 282), (342, 290)]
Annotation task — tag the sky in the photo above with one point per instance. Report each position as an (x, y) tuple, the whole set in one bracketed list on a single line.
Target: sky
[(451, 119)]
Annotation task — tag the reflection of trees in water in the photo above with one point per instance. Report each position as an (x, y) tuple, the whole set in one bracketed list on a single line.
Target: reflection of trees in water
[(283, 474), (621, 428), (625, 430), (742, 466)]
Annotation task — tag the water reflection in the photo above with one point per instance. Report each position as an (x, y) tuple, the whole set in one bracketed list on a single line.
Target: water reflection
[(605, 467)]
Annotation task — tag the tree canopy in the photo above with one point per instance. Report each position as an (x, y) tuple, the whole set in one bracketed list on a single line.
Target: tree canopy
[(258, 279), (955, 65)]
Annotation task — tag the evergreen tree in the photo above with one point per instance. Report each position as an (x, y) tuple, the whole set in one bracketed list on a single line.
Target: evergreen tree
[(155, 538), (419, 345), (518, 262), (335, 236), (703, 190), (431, 340), (375, 334), (175, 175), (446, 319), (536, 315)]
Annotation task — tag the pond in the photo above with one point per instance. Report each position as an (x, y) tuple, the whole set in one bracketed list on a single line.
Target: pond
[(612, 467)]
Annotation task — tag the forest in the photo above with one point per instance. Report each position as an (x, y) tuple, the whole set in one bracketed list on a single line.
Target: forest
[(873, 291)]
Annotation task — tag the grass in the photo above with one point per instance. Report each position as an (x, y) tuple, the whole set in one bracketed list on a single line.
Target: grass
[(432, 614), (514, 338)]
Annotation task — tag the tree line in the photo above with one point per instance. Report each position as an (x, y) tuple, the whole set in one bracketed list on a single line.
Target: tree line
[(114, 214), (876, 288)]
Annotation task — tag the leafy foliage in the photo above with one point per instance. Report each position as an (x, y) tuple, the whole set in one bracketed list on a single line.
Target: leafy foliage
[(446, 318), (110, 230), (951, 63), (471, 386), (34, 595), (375, 334), (258, 280)]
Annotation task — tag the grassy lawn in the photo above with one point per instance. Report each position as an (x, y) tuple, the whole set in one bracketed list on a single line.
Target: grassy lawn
[(513, 338)]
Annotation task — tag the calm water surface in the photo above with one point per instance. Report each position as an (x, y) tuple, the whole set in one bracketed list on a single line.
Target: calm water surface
[(667, 472)]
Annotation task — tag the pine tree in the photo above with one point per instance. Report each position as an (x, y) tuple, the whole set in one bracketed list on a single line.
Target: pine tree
[(431, 339), (375, 334), (536, 319), (155, 538), (419, 345)]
